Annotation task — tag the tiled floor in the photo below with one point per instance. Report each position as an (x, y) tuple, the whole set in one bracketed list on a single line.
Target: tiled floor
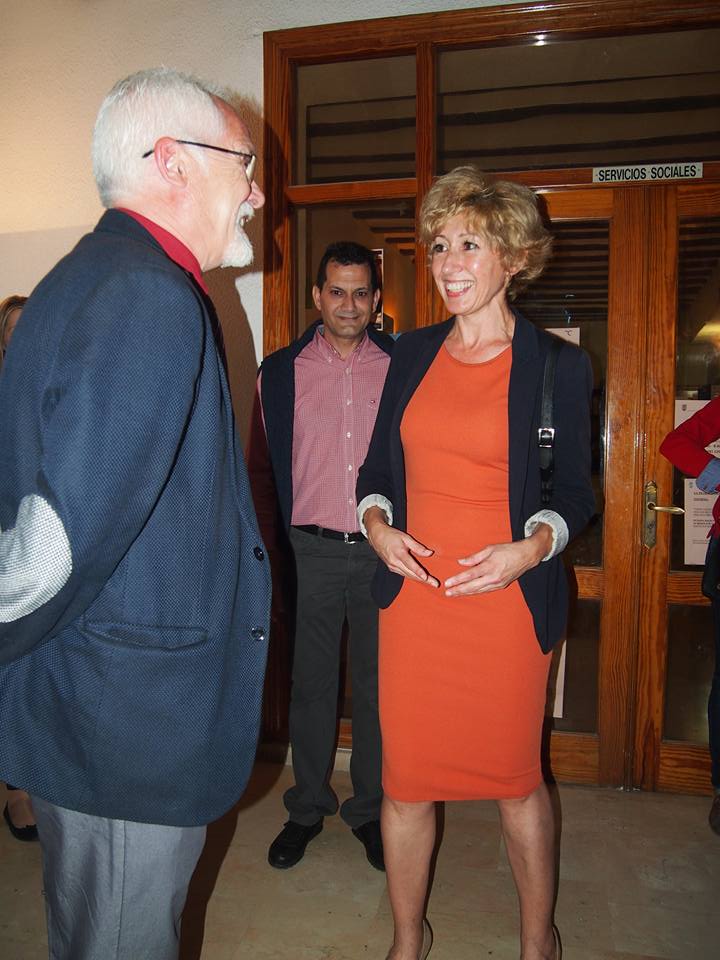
[(640, 880)]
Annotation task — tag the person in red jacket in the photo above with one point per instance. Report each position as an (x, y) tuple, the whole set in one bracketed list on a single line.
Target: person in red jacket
[(685, 448)]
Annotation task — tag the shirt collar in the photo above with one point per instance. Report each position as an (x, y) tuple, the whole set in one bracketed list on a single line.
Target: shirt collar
[(329, 352), (174, 248)]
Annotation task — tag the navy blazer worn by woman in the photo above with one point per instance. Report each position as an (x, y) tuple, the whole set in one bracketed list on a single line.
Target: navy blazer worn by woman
[(545, 586), (133, 645)]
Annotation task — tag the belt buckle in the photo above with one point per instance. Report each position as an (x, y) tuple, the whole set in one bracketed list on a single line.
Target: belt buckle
[(346, 535)]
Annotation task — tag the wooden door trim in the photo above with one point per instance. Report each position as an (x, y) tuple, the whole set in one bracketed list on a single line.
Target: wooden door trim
[(306, 195), (684, 768), (279, 93), (580, 204), (395, 36), (426, 127), (685, 588), (679, 766), (590, 582), (575, 756), (658, 321), (569, 188), (623, 472)]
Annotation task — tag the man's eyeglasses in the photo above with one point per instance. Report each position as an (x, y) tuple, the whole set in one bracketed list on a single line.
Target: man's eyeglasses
[(249, 159)]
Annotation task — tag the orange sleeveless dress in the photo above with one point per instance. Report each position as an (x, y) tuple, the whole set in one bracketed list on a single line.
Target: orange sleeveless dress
[(462, 680)]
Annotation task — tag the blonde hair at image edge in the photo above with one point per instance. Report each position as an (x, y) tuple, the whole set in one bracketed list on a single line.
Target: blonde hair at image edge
[(7, 307)]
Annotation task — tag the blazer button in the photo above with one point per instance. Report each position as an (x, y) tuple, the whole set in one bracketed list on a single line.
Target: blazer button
[(257, 633), (258, 553)]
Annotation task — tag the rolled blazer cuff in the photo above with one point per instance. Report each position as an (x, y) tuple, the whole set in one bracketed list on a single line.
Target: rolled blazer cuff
[(374, 500), (560, 534)]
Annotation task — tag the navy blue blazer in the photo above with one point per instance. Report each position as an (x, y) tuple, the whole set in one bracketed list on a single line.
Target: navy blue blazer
[(134, 690), (545, 586)]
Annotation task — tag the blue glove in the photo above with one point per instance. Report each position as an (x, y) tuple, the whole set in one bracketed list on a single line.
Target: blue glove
[(709, 480)]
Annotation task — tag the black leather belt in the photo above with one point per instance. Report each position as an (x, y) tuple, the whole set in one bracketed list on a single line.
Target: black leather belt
[(354, 537)]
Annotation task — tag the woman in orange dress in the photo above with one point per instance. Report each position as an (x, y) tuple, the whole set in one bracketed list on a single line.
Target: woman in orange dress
[(451, 499)]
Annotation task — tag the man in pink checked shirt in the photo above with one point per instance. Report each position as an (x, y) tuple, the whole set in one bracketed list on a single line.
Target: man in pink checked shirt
[(319, 399)]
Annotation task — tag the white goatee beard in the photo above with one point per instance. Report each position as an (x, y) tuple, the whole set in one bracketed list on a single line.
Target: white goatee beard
[(239, 252)]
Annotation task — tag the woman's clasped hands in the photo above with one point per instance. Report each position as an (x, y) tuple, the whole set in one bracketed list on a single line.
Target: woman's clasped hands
[(396, 548), (492, 568)]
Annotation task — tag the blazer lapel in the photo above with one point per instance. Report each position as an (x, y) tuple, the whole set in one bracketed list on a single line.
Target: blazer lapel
[(427, 352), (434, 340), (524, 385)]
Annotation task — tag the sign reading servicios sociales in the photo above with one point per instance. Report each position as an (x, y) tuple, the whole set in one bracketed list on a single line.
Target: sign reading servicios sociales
[(645, 173)]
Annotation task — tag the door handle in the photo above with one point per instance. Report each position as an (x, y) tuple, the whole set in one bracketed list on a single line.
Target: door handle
[(652, 507)]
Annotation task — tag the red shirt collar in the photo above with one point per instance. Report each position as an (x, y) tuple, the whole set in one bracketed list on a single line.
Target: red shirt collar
[(174, 248)]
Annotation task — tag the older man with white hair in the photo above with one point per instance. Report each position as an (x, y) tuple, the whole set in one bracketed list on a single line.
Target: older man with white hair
[(134, 587)]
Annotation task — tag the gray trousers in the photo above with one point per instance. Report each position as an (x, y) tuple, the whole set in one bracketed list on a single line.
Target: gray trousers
[(114, 889), (333, 581)]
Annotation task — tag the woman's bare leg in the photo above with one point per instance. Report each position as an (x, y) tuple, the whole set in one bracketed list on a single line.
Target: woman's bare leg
[(529, 830), (408, 831)]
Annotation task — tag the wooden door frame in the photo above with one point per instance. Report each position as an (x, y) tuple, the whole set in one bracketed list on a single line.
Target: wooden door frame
[(589, 758), (423, 35), (660, 764)]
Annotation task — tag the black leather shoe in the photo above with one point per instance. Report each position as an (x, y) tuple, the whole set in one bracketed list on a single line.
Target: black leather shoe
[(714, 818), (27, 833), (288, 847), (371, 838)]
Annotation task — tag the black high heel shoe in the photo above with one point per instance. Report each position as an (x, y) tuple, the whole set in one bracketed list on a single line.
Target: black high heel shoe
[(27, 834)]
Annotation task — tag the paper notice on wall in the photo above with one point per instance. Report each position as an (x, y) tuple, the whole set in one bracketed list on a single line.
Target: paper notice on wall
[(558, 699), (698, 520), (566, 333), (698, 505)]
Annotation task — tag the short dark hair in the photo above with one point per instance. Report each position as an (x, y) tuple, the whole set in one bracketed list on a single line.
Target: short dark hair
[(347, 252)]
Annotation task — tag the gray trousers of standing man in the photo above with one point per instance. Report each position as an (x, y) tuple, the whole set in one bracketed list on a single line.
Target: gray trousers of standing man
[(333, 582), (114, 889)]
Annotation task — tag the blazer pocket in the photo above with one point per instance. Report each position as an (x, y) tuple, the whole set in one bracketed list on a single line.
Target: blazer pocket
[(138, 635)]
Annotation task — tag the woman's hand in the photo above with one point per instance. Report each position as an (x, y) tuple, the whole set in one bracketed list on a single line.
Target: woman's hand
[(496, 566), (396, 548)]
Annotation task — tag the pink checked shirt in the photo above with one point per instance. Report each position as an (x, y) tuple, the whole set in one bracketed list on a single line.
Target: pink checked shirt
[(336, 402)]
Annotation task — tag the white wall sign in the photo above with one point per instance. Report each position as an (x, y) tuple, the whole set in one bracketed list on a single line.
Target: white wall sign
[(647, 172), (566, 333)]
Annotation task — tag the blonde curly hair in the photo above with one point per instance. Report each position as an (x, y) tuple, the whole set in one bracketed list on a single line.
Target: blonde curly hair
[(505, 214)]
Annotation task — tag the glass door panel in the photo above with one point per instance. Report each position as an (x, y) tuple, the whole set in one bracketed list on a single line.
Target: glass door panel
[(698, 349), (580, 102), (355, 120), (690, 662)]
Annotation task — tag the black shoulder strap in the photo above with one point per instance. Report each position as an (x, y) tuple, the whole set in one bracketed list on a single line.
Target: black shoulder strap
[(546, 431)]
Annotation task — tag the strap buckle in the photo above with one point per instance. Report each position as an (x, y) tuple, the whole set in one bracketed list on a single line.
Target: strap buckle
[(546, 437)]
